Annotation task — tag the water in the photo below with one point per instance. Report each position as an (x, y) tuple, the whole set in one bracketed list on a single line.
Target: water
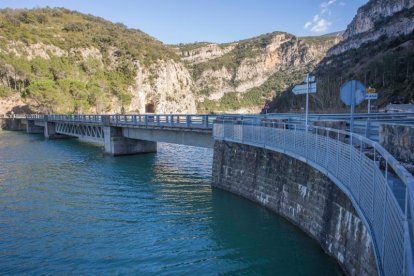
[(67, 208)]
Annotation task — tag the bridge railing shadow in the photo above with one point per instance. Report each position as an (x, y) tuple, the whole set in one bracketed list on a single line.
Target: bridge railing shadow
[(380, 188)]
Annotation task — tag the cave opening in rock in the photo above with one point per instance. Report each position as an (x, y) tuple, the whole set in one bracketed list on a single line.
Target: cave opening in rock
[(149, 108)]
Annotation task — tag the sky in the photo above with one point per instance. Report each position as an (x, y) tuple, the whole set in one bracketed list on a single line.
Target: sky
[(186, 21)]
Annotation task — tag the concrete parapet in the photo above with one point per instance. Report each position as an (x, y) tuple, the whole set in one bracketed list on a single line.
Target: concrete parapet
[(116, 144)]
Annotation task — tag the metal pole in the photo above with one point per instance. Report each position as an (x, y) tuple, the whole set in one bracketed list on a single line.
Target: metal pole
[(353, 87), (307, 101), (369, 106)]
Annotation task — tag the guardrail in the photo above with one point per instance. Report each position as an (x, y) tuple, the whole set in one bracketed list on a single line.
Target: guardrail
[(35, 116), (187, 121), (380, 189), (13, 116), (170, 120), (76, 118)]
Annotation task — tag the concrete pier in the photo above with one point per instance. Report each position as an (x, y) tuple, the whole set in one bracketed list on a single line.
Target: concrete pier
[(32, 128), (50, 131), (115, 144), (14, 124)]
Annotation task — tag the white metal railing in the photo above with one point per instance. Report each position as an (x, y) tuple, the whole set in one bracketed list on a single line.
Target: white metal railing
[(380, 188), (170, 120), (35, 116), (75, 118), (160, 120)]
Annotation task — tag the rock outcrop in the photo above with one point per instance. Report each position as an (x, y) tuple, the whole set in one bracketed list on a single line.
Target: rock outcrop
[(169, 90), (248, 64), (376, 19)]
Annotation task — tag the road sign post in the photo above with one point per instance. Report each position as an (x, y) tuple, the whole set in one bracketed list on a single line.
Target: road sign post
[(371, 95), (308, 87), (307, 101), (352, 94)]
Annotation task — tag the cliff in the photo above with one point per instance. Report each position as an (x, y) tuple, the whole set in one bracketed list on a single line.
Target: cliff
[(390, 18), (246, 73), (377, 49), (67, 62)]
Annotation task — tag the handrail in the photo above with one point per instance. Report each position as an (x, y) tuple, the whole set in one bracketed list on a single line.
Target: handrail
[(360, 167), (194, 121)]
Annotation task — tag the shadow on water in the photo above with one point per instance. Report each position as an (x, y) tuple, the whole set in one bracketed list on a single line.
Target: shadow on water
[(264, 242), (65, 207)]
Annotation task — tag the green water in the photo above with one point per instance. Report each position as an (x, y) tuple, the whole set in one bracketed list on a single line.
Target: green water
[(65, 208)]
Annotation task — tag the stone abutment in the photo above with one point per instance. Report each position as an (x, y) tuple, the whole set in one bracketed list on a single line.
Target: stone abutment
[(301, 194)]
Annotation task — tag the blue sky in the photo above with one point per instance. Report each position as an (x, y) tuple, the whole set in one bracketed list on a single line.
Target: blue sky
[(175, 21)]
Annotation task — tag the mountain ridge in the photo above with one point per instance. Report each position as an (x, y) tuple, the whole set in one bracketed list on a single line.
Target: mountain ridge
[(377, 49), (68, 62)]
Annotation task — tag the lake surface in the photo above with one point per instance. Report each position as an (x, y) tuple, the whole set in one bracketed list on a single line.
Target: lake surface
[(65, 208)]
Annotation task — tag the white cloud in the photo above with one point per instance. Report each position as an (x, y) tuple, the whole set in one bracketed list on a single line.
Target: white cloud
[(320, 22), (321, 26)]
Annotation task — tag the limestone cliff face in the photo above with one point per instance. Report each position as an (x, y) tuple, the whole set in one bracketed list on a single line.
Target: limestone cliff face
[(168, 90), (205, 52), (377, 49), (378, 18), (247, 64), (62, 61), (165, 87), (55, 60)]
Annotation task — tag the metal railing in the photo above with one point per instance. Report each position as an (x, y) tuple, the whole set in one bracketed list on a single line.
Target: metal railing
[(35, 116), (75, 118), (170, 120), (380, 189)]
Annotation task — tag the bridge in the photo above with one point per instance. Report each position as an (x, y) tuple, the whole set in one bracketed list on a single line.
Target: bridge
[(380, 189), (126, 134)]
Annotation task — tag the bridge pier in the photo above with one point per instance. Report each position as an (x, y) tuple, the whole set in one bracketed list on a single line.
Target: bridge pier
[(31, 127), (14, 124), (50, 131), (116, 144)]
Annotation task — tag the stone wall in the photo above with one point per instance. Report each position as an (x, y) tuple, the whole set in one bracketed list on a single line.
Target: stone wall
[(399, 141), (301, 194)]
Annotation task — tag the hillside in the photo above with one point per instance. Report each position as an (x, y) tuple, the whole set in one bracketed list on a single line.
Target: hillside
[(377, 49), (65, 61), (240, 76), (61, 61)]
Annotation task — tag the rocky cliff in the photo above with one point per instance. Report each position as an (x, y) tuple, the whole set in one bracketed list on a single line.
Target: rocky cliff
[(377, 49), (378, 18), (244, 74), (63, 61)]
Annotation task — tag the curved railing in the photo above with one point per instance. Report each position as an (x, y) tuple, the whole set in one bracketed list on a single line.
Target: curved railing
[(380, 189)]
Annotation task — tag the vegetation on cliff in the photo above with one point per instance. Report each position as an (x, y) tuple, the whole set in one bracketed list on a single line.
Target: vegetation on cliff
[(70, 62), (386, 64)]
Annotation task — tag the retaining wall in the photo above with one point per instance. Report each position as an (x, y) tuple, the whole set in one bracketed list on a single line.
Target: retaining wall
[(300, 193)]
